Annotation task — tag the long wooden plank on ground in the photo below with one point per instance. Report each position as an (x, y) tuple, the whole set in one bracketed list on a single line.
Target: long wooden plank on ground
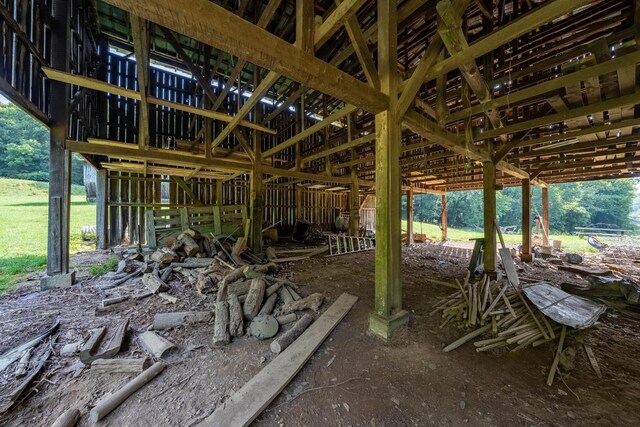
[(248, 402)]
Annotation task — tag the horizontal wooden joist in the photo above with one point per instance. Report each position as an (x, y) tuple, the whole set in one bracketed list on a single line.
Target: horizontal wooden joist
[(101, 86), (562, 116), (514, 98), (126, 151), (351, 144), (213, 25)]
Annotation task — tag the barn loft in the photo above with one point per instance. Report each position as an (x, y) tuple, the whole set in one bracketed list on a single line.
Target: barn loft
[(300, 109)]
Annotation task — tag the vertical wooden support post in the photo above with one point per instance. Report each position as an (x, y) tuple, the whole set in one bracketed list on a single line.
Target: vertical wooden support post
[(525, 252), (219, 184), (410, 216), (489, 175), (354, 208), (257, 190), (545, 215), (59, 159), (388, 315), (102, 229), (443, 220)]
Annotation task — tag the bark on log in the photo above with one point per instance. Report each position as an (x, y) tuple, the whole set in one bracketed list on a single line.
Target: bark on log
[(204, 284), (283, 341), (164, 256), (221, 327), (189, 245), (285, 296), (288, 318), (236, 321), (168, 297), (94, 349), (171, 320), (23, 364), (154, 344), (154, 283), (69, 418), (294, 294), (236, 274), (110, 301), (268, 305), (112, 402), (166, 274), (110, 366), (274, 288), (312, 302), (240, 288), (255, 296)]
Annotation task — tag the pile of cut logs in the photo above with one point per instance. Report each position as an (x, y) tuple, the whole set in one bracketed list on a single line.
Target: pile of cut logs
[(497, 308)]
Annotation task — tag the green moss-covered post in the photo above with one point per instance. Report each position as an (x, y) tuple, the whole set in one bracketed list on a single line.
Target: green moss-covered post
[(525, 255), (388, 315), (489, 175)]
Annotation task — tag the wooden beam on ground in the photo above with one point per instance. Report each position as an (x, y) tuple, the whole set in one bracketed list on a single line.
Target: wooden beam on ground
[(327, 121), (258, 93), (187, 190), (246, 404), (101, 86), (213, 25), (140, 35)]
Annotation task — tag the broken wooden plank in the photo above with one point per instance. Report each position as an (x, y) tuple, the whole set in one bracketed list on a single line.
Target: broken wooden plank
[(14, 354), (248, 402)]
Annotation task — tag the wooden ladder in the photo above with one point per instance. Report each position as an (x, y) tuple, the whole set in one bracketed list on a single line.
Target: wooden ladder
[(340, 244)]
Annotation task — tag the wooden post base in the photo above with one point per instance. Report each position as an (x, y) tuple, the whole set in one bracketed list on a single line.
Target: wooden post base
[(386, 328), (526, 257), (58, 281)]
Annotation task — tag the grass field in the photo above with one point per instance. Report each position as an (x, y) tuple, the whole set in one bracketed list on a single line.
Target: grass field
[(23, 226), (569, 243)]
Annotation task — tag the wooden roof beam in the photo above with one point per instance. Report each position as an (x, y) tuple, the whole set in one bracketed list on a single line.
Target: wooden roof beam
[(336, 20), (140, 35), (101, 86), (215, 26)]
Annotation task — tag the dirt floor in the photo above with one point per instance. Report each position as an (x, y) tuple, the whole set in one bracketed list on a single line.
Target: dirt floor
[(353, 379)]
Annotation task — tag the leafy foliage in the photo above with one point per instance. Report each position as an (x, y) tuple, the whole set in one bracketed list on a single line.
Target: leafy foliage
[(24, 147), (571, 205)]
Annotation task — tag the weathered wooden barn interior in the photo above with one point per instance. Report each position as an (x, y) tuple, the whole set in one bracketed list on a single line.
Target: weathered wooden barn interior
[(279, 110)]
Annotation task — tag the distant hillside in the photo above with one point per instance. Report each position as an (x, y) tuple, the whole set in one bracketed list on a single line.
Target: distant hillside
[(21, 187)]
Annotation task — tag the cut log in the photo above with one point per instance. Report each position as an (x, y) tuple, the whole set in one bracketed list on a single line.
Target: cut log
[(194, 234), (154, 283), (282, 342), (166, 274), (155, 345), (204, 284), (239, 247), (255, 296), (236, 321), (172, 320), (274, 288), (127, 366), (122, 264), (168, 297), (285, 296), (268, 305), (221, 327), (164, 256), (189, 245), (294, 294), (312, 302), (236, 274), (110, 301), (95, 348), (115, 399), (69, 418), (23, 364), (287, 318), (240, 288)]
